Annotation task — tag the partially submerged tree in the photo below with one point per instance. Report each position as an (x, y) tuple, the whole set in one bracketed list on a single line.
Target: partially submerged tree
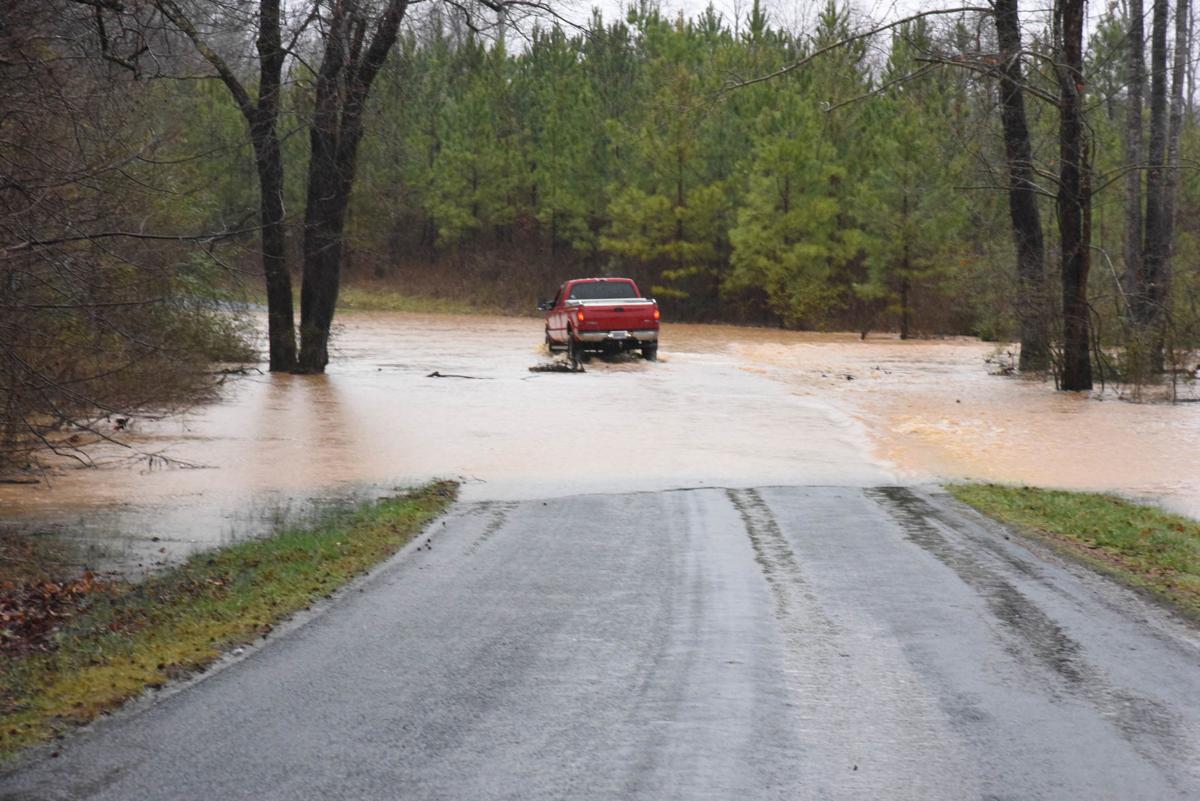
[(1074, 201), (351, 58), (1147, 297), (350, 61), (354, 39), (262, 121), (1150, 229), (1032, 308)]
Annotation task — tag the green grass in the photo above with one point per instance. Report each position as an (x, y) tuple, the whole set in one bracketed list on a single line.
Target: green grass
[(379, 298), (127, 637), (1140, 545)]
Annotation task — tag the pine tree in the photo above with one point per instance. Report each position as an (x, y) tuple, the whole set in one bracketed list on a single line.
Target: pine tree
[(911, 227), (670, 209), (794, 237)]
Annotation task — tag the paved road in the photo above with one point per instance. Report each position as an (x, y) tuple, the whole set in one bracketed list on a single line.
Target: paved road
[(781, 643)]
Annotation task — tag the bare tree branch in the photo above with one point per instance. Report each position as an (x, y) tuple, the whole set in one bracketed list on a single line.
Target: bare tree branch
[(854, 38)]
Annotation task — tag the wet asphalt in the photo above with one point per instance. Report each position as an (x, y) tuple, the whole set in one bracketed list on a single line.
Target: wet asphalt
[(776, 643)]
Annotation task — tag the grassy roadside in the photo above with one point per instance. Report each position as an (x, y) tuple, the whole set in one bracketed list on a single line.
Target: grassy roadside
[(1142, 546), (368, 297), (119, 639)]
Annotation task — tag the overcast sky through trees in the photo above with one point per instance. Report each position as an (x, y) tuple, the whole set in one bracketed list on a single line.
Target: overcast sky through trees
[(796, 14)]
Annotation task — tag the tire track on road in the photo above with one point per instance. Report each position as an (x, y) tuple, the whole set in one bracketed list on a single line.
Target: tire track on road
[(868, 726), (795, 602), (1032, 635), (498, 513)]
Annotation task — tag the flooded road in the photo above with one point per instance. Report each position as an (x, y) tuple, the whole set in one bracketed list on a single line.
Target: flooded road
[(728, 407), (935, 410)]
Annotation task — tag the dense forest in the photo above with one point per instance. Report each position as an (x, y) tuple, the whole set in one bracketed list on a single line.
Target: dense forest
[(866, 190), (628, 148), (967, 171)]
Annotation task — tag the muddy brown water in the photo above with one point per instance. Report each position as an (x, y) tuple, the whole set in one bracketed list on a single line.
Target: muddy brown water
[(724, 406)]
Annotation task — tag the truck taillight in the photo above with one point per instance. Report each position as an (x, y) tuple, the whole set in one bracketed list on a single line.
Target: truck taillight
[(579, 315), (657, 313)]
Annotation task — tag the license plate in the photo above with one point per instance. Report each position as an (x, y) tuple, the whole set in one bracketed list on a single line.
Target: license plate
[(618, 335)]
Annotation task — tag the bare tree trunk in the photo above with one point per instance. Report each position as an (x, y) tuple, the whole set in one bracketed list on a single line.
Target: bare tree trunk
[(1171, 187), (1022, 194), (1136, 77), (343, 83), (1191, 63), (325, 204), (905, 272), (1157, 231), (281, 331), (1074, 199)]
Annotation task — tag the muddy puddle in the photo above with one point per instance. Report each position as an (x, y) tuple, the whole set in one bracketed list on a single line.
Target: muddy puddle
[(409, 397)]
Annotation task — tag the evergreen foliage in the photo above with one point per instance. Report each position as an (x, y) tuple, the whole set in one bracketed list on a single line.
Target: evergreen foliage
[(866, 190)]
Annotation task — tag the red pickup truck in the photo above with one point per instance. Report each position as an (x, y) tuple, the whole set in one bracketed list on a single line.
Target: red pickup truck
[(601, 315)]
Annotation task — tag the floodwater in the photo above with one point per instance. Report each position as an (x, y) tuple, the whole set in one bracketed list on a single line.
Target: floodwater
[(724, 406), (938, 410)]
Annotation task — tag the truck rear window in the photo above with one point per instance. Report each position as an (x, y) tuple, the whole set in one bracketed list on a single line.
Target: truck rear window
[(603, 290)]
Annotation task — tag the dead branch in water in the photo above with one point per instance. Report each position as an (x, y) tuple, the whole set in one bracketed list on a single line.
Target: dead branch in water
[(436, 374)]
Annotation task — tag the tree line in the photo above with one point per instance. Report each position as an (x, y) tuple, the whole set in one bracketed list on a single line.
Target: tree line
[(958, 172)]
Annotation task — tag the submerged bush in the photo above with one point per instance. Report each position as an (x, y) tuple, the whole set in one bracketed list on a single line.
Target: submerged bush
[(86, 340)]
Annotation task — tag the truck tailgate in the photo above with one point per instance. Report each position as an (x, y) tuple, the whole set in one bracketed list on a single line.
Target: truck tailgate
[(607, 315)]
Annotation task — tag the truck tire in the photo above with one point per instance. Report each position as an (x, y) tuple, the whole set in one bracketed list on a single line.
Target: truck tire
[(650, 352), (573, 354)]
